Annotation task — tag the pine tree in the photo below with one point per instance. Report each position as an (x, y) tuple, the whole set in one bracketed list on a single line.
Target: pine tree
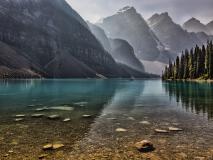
[(211, 60), (186, 65), (177, 68), (182, 66), (191, 64)]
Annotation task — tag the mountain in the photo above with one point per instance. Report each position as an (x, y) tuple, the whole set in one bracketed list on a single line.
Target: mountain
[(123, 53), (120, 49), (129, 25), (194, 25), (47, 38), (100, 35), (172, 35), (210, 27)]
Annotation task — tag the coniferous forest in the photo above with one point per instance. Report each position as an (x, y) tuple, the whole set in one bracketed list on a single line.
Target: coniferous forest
[(194, 64)]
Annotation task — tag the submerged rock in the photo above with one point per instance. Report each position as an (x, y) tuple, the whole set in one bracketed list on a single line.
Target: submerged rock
[(53, 146), (41, 109), (58, 145), (120, 130), (161, 131), (66, 120), (86, 116), (53, 117), (48, 147), (145, 122), (37, 115), (131, 118), (20, 116), (42, 156), (175, 129), (18, 119), (62, 108), (144, 146)]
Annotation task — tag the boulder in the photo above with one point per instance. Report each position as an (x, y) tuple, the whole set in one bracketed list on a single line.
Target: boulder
[(144, 146)]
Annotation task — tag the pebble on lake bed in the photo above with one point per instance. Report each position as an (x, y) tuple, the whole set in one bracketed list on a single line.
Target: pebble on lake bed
[(62, 108), (20, 116), (144, 146), (145, 122), (47, 146), (53, 146), (86, 116), (37, 115), (120, 130), (175, 129), (42, 156), (161, 131), (18, 119), (58, 145), (53, 117), (66, 120), (131, 118)]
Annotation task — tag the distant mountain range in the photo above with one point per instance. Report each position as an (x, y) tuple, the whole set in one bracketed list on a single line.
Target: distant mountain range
[(155, 41), (47, 38), (194, 25)]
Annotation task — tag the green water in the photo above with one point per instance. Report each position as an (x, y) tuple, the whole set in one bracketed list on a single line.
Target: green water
[(112, 104)]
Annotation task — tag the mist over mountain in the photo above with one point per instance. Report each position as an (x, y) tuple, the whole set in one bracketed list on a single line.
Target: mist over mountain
[(120, 49), (210, 27), (47, 38), (194, 25), (129, 25)]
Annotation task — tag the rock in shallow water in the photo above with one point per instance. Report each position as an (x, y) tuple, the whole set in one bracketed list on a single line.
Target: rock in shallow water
[(120, 130), (53, 146), (42, 156), (20, 116), (18, 119), (54, 117), (66, 120), (86, 116), (161, 131), (58, 145), (144, 146), (145, 122), (175, 129), (47, 146), (37, 115)]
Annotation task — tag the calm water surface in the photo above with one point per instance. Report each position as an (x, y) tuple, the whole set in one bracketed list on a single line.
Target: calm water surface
[(112, 104)]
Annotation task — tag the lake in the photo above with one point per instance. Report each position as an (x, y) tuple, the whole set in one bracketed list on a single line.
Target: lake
[(86, 115)]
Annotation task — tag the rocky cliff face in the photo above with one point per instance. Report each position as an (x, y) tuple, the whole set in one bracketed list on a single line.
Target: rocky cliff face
[(129, 25), (172, 35)]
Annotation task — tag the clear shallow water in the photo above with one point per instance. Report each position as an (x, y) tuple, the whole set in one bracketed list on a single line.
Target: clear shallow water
[(112, 104)]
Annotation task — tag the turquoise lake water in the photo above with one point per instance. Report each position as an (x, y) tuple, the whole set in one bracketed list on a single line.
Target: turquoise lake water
[(111, 104)]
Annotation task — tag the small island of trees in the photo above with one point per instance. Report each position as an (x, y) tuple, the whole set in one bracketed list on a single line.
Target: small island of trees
[(194, 64)]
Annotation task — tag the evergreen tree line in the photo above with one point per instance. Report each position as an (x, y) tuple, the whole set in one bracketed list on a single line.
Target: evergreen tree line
[(193, 64)]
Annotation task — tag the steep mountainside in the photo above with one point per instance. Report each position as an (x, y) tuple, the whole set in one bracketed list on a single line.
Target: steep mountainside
[(172, 35), (194, 25), (120, 50), (101, 36), (123, 52), (48, 38), (210, 27), (129, 25)]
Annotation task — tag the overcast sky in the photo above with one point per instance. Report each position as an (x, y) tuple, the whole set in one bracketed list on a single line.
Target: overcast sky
[(179, 10)]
